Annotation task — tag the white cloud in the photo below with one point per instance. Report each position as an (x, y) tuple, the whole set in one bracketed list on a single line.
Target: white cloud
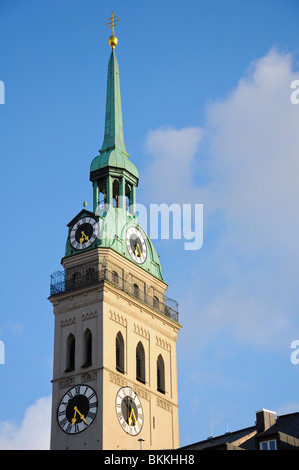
[(33, 433), (246, 162), (170, 168), (255, 148)]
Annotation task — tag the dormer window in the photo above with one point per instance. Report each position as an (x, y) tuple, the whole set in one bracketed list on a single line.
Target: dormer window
[(268, 445)]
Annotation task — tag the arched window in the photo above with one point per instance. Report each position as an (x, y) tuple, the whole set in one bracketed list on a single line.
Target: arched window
[(90, 274), (136, 291), (127, 196), (70, 353), (120, 353), (76, 278), (102, 194), (115, 193), (156, 302), (160, 374), (87, 348), (115, 278), (140, 363)]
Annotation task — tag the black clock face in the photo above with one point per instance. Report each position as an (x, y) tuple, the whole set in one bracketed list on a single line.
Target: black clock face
[(77, 409), (136, 245), (83, 233), (129, 411)]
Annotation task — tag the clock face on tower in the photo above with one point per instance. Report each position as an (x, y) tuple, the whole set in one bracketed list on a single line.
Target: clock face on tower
[(83, 233), (136, 245), (129, 411), (77, 409)]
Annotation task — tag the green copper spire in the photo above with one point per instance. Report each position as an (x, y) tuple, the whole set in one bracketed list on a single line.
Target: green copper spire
[(113, 158), (114, 134), (115, 178)]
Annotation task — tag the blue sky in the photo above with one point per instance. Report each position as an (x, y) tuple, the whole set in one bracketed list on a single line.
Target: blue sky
[(207, 119)]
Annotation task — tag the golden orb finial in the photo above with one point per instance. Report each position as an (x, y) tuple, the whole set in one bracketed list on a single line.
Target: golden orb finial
[(113, 41), (112, 22)]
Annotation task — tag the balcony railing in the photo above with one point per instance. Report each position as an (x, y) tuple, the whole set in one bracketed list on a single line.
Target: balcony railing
[(59, 284)]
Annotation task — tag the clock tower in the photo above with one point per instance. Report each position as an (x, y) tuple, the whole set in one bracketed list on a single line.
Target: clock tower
[(114, 375)]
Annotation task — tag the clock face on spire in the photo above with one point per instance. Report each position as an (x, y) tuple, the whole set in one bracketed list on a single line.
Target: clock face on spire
[(136, 245), (83, 233)]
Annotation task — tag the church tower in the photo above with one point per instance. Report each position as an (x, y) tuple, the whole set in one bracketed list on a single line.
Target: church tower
[(114, 375)]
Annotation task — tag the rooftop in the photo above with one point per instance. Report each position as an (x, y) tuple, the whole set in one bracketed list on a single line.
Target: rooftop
[(281, 431)]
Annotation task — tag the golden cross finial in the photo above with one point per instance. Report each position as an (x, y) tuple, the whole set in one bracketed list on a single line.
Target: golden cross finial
[(112, 22)]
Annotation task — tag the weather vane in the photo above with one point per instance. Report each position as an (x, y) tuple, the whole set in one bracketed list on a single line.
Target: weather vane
[(112, 22)]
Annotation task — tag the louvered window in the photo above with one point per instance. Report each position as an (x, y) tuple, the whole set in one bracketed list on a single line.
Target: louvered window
[(87, 345), (160, 374), (136, 291), (119, 353), (140, 363), (70, 353)]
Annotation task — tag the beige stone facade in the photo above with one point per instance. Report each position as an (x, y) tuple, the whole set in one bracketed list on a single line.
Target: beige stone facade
[(105, 309)]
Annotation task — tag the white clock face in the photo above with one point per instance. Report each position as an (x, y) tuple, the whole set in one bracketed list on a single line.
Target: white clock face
[(83, 233), (77, 409), (129, 411), (136, 245)]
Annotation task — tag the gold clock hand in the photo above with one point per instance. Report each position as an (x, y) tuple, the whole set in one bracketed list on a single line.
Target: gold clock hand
[(74, 419), (136, 253), (80, 414), (84, 237), (130, 418)]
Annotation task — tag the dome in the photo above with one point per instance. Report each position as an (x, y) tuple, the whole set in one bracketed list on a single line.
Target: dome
[(114, 159)]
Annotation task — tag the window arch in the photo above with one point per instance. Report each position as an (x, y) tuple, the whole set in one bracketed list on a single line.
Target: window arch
[(90, 274), (120, 353), (127, 196), (102, 194), (160, 374), (115, 193), (76, 278), (156, 302), (136, 290), (140, 363), (115, 278), (70, 353), (87, 348)]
